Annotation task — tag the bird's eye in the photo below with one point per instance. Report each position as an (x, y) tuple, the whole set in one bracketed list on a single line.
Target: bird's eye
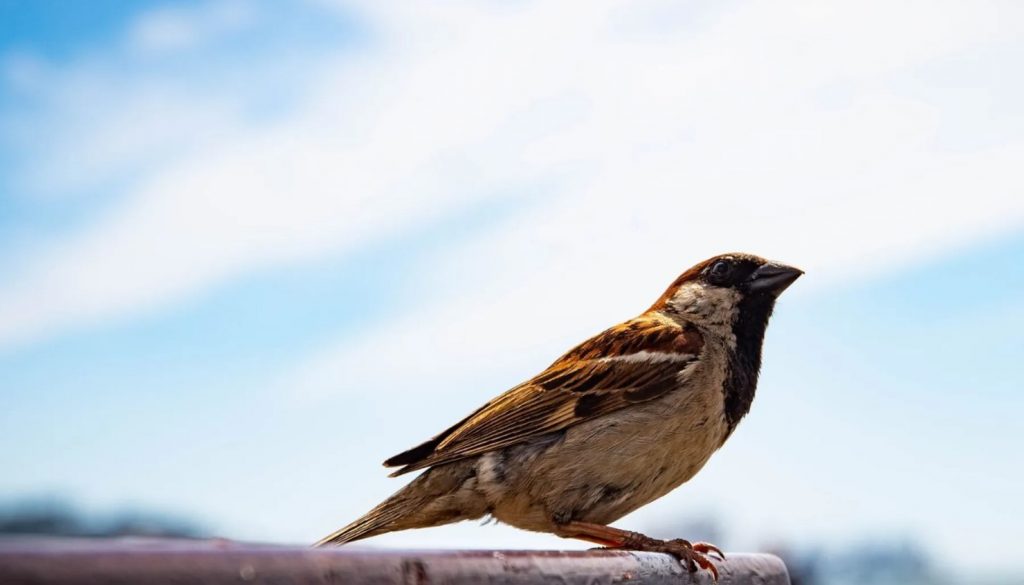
[(720, 271)]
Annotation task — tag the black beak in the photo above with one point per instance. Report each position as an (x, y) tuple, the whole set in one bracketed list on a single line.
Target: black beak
[(773, 278)]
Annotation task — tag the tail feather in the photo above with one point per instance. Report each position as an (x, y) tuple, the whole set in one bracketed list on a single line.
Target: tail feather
[(440, 495), (375, 522)]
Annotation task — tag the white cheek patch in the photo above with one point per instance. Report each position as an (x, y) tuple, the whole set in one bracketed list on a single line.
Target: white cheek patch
[(711, 307)]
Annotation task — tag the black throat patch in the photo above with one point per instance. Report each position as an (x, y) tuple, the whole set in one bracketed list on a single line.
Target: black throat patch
[(745, 359)]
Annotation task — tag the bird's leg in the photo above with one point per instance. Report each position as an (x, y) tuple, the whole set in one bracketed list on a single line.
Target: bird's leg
[(690, 555)]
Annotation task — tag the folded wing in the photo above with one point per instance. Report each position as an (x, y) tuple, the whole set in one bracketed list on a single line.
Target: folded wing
[(634, 362)]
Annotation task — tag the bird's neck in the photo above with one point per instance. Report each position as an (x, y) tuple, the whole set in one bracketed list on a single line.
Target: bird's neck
[(745, 357)]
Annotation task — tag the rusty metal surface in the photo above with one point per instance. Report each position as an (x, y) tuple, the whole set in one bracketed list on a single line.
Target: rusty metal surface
[(84, 561)]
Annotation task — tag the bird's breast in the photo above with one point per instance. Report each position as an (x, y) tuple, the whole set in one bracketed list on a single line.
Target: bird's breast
[(602, 469)]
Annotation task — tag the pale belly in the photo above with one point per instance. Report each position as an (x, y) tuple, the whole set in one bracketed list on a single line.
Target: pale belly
[(603, 469)]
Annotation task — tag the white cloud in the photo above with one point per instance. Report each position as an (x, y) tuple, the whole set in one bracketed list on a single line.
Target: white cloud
[(687, 153), (666, 147), (175, 28)]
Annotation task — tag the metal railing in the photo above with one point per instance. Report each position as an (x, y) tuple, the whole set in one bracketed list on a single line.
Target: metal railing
[(111, 561)]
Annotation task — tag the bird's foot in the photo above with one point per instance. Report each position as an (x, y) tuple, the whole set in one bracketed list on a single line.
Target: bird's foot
[(690, 555)]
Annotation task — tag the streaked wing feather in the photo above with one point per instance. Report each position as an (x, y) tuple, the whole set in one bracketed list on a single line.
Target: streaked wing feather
[(592, 380)]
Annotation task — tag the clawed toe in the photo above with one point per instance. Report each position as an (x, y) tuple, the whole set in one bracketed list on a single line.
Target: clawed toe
[(691, 556), (705, 564), (707, 548)]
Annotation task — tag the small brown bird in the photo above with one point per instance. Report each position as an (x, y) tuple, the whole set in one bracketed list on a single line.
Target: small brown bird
[(619, 421)]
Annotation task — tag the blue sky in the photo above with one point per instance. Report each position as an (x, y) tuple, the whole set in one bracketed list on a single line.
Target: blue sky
[(248, 254)]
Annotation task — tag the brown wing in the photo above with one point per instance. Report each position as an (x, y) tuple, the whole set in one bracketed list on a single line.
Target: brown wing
[(601, 375)]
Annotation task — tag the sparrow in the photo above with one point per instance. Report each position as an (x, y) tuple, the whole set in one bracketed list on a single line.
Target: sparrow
[(617, 422)]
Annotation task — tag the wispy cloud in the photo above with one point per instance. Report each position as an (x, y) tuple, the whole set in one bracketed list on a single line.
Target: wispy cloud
[(665, 147), (684, 147), (174, 28)]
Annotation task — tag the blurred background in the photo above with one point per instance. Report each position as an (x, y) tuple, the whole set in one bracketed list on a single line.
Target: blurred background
[(248, 250)]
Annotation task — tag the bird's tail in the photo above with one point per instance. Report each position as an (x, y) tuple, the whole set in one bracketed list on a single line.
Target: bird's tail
[(438, 496), (379, 520)]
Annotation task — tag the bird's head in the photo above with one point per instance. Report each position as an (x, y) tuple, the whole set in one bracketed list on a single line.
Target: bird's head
[(727, 291)]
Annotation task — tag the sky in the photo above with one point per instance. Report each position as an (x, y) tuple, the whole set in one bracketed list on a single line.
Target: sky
[(248, 253)]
